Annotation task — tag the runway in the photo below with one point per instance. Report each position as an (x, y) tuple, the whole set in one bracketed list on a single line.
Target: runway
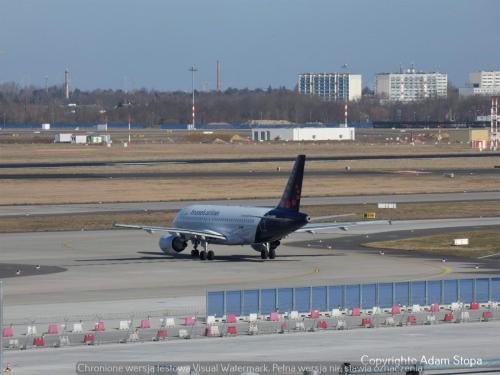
[(245, 174), (249, 160), (55, 209)]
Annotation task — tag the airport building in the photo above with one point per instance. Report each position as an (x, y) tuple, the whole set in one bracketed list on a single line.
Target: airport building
[(482, 83), (302, 134), (410, 85), (331, 86)]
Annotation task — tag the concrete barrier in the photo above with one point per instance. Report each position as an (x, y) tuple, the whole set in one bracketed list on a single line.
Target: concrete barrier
[(77, 327), (169, 322)]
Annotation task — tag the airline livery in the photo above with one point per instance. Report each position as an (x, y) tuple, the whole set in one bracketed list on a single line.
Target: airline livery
[(260, 227)]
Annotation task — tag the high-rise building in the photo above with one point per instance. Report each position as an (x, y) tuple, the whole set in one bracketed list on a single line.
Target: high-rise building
[(410, 85), (482, 83), (331, 86)]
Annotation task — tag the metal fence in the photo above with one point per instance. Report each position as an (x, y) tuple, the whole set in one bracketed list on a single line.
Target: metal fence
[(365, 296)]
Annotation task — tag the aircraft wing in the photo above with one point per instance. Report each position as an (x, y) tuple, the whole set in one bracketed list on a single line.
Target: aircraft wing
[(187, 233), (311, 228)]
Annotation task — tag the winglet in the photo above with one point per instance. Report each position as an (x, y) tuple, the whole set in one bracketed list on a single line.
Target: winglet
[(291, 196)]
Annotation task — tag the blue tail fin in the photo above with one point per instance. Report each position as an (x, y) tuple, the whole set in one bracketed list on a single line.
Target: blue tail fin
[(291, 196)]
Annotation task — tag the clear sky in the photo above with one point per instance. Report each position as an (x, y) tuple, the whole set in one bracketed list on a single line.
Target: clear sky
[(152, 43)]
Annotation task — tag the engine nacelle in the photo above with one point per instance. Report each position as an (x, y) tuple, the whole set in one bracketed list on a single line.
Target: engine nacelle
[(169, 243), (258, 247), (262, 246)]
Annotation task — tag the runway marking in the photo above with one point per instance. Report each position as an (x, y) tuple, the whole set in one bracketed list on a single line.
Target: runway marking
[(445, 270), (489, 256)]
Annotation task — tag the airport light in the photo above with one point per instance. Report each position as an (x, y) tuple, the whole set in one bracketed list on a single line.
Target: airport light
[(193, 69)]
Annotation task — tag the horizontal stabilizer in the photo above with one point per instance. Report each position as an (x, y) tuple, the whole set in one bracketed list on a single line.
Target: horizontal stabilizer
[(318, 218)]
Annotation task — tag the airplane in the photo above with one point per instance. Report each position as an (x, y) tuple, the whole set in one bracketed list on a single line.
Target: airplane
[(260, 227)]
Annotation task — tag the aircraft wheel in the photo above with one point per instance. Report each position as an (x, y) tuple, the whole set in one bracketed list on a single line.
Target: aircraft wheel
[(203, 255), (210, 255), (195, 253), (264, 254), (272, 254)]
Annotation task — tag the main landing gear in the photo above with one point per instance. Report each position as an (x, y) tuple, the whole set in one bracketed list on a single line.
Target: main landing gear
[(203, 254), (268, 252)]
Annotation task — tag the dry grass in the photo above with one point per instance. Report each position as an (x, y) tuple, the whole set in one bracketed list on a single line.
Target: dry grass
[(481, 243), (21, 153), (105, 220), (138, 190)]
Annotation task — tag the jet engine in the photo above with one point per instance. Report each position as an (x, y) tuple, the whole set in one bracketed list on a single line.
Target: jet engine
[(258, 247), (262, 246), (169, 243)]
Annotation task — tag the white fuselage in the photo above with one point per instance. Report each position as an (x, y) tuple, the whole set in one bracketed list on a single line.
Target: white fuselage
[(239, 224)]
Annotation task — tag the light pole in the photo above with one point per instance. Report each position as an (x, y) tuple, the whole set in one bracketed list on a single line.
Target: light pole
[(193, 70)]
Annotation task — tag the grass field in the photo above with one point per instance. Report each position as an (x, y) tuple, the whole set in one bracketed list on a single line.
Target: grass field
[(21, 153), (140, 190), (106, 220), (481, 243)]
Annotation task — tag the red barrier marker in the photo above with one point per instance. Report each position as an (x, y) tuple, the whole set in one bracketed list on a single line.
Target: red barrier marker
[(356, 311), (275, 317), (231, 330), (366, 322), (314, 314), (434, 308), (448, 317), (145, 324), (8, 332), (99, 327), (38, 341), (322, 324), (189, 321), (487, 315), (474, 306), (161, 334), (53, 329), (231, 318), (412, 319), (396, 310), (88, 339)]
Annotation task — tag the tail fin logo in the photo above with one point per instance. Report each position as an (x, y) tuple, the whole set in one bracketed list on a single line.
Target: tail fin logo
[(293, 190)]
